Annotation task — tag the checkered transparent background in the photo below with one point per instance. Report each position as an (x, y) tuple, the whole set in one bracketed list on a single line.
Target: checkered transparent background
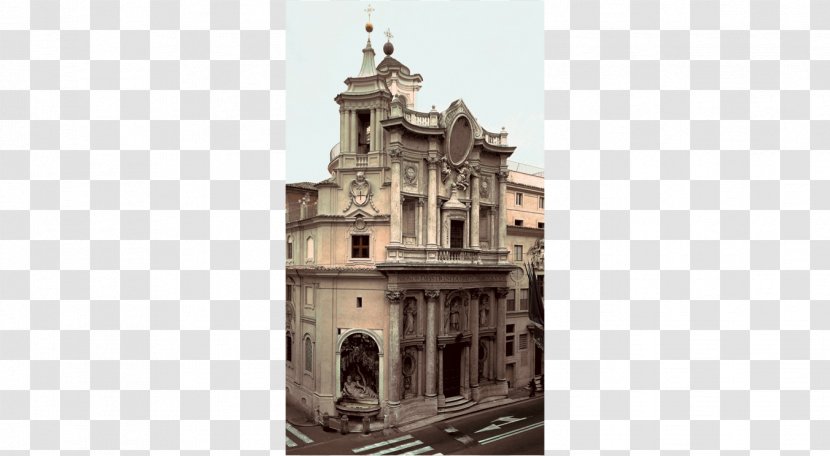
[(141, 188), (688, 229)]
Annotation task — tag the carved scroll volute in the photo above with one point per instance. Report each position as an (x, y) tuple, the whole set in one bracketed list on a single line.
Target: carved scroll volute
[(432, 294), (476, 292), (502, 292)]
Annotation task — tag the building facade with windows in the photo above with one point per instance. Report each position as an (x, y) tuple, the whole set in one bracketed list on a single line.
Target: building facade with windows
[(525, 201), (399, 265)]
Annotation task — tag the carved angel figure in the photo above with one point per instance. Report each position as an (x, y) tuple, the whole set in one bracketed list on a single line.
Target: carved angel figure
[(462, 179), (445, 169)]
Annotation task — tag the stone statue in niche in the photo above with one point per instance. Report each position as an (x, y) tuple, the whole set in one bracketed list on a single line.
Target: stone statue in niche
[(410, 313), (452, 317), (359, 367), (356, 388), (483, 310)]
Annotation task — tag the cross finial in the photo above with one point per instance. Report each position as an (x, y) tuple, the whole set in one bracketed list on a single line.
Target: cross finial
[(369, 10), (388, 34)]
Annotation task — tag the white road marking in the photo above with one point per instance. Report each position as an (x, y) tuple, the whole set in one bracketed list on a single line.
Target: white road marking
[(380, 444), (450, 429), (420, 450), (290, 442), (511, 433), (505, 419), (399, 447), (299, 434), (492, 427)]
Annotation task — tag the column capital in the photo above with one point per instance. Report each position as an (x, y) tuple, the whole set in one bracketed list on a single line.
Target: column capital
[(476, 292), (502, 292), (432, 294), (502, 175), (395, 296), (395, 153), (432, 162)]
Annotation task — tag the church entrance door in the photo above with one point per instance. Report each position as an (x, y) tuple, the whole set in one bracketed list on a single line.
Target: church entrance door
[(452, 369), (539, 360)]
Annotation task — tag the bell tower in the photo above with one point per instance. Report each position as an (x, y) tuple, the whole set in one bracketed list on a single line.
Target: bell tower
[(363, 105)]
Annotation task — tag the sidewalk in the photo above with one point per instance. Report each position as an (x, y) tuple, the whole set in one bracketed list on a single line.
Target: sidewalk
[(297, 417)]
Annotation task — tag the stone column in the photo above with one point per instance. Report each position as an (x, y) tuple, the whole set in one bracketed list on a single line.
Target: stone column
[(432, 204), (475, 216), (344, 131), (355, 133), (395, 196), (395, 375), (431, 340), (501, 315), (441, 398), (420, 223), (502, 221), (474, 302), (465, 371)]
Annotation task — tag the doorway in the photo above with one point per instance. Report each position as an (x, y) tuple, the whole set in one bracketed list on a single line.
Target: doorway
[(538, 360), (456, 234), (452, 370)]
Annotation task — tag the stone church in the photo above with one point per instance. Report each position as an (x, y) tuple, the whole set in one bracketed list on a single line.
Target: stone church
[(398, 274)]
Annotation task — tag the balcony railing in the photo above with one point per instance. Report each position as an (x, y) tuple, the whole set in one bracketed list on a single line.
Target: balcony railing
[(421, 254), (463, 255)]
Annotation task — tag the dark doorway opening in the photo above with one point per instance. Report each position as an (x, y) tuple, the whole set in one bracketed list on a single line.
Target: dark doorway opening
[(456, 234), (538, 360), (452, 369)]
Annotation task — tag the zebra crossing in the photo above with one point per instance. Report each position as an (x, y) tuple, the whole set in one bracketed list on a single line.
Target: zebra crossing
[(406, 444), (289, 442)]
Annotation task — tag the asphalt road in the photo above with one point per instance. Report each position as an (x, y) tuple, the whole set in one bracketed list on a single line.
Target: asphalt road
[(512, 429)]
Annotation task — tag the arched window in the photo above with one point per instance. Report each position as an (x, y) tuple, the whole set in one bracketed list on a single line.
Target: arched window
[(309, 249), (309, 355)]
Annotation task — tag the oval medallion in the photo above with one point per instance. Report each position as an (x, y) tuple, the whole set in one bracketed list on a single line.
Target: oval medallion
[(460, 140)]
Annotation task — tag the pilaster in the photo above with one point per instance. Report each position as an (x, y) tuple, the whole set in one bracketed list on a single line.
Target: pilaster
[(395, 197), (501, 316), (474, 303), (431, 340), (395, 375)]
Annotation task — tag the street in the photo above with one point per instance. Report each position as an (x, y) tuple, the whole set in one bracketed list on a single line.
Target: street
[(511, 429)]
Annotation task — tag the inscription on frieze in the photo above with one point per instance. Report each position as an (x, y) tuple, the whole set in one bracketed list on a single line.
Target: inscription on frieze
[(450, 278)]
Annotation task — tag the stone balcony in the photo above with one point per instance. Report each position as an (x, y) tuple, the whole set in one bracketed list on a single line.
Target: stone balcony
[(420, 254)]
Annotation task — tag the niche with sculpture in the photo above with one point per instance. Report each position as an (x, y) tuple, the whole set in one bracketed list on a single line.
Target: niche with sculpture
[(359, 364), (410, 318), (456, 314)]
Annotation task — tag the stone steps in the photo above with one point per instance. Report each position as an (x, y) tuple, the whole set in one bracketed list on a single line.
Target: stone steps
[(456, 404)]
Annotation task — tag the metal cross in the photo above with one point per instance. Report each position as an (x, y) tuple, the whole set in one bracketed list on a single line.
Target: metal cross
[(388, 34), (370, 10)]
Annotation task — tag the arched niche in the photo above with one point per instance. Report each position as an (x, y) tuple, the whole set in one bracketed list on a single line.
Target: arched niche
[(341, 371)]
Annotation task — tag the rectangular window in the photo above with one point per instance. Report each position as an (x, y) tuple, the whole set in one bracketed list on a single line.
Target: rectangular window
[(524, 299), (508, 349), (517, 253), (360, 246), (540, 225), (522, 341), (511, 301), (519, 199), (456, 234), (289, 249), (519, 222), (288, 293), (309, 356), (409, 217), (359, 302), (510, 329), (541, 202)]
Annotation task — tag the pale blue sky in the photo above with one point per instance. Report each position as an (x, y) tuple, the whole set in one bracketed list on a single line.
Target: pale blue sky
[(488, 53)]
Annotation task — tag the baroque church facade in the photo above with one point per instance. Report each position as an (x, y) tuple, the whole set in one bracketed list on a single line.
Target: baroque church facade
[(398, 266)]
